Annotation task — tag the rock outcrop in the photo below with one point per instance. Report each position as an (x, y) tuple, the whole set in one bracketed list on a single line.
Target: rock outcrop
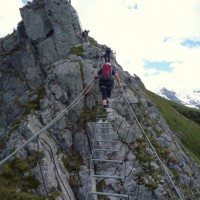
[(44, 36), (43, 69)]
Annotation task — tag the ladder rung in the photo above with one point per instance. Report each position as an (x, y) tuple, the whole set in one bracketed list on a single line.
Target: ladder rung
[(111, 150), (104, 160), (114, 137), (105, 134), (113, 141), (108, 194), (101, 118), (102, 115), (106, 138), (104, 127), (103, 123), (107, 176), (102, 110)]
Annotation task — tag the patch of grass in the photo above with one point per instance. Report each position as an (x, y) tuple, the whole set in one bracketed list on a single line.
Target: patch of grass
[(20, 166), (30, 182), (14, 126), (73, 161), (186, 129), (9, 194), (15, 184), (190, 113), (28, 106), (35, 158), (101, 186), (175, 173), (165, 153), (92, 41), (141, 155), (41, 92), (88, 115), (32, 105), (77, 50), (152, 185), (53, 195), (74, 181), (174, 160), (35, 104), (2, 143)]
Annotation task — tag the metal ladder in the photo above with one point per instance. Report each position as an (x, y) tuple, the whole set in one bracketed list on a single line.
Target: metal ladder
[(104, 142)]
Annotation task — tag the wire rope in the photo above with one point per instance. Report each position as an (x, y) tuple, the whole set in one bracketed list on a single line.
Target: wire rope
[(152, 147), (56, 166), (45, 188), (78, 98)]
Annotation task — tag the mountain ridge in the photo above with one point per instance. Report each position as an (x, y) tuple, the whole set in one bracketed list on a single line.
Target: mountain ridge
[(44, 68), (189, 99)]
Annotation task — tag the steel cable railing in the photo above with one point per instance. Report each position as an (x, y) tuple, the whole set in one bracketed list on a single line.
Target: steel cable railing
[(78, 98), (134, 117), (98, 120), (153, 149), (54, 162), (117, 98), (126, 131), (45, 188)]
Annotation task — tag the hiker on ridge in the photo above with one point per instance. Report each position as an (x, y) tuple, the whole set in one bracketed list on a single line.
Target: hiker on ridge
[(106, 82), (85, 35), (107, 54)]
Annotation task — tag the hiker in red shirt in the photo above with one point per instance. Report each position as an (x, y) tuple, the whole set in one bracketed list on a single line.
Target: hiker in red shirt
[(106, 81)]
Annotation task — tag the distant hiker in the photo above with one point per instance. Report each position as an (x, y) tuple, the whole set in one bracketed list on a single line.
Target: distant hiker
[(106, 81), (107, 54), (85, 35)]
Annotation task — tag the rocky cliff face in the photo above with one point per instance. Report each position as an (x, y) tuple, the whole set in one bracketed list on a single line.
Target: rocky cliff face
[(45, 34), (44, 68)]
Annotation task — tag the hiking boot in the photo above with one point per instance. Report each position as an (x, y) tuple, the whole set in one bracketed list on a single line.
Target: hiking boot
[(104, 108)]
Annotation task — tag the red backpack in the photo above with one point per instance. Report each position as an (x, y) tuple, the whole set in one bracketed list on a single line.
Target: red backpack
[(106, 73)]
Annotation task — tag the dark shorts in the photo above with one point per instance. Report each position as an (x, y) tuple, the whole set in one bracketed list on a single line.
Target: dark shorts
[(106, 87)]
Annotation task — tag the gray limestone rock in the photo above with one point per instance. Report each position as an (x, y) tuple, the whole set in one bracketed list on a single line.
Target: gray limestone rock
[(40, 81)]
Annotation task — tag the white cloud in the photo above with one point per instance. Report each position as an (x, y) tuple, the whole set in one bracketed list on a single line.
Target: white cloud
[(153, 32), (140, 34), (9, 16)]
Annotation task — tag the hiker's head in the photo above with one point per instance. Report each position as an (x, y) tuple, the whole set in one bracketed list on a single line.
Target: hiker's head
[(108, 63)]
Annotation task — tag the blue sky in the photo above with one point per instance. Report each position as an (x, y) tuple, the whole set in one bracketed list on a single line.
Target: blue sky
[(157, 40), (191, 43), (158, 65)]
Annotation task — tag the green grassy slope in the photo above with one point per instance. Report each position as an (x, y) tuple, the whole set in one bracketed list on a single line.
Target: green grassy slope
[(184, 121)]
